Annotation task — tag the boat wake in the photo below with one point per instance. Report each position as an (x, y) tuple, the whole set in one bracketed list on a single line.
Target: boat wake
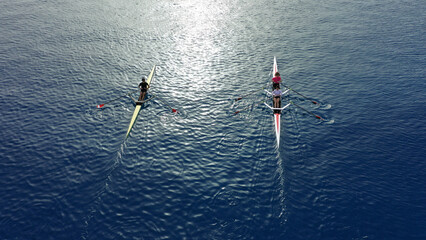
[(281, 185)]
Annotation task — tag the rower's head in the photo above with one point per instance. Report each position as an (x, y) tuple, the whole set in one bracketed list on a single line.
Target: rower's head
[(277, 74), (277, 87), (143, 79)]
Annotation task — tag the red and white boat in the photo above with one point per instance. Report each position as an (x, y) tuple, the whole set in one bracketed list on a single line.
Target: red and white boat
[(277, 111)]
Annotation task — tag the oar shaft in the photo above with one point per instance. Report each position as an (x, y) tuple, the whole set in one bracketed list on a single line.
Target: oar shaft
[(250, 106), (314, 102), (313, 114), (250, 93), (173, 109), (115, 99)]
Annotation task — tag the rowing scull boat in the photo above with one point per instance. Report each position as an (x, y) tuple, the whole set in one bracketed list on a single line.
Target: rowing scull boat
[(277, 111), (139, 104)]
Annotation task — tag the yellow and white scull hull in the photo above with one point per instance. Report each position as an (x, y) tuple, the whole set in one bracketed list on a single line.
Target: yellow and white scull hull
[(139, 105)]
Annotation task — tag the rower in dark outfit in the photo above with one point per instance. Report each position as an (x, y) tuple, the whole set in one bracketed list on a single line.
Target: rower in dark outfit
[(143, 86)]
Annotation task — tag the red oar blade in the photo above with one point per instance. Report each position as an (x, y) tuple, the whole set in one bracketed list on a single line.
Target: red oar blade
[(100, 105)]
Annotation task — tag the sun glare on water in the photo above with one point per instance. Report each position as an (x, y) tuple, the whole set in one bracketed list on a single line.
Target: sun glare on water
[(200, 27)]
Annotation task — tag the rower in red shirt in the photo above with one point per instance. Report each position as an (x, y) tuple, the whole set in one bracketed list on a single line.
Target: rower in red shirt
[(276, 80)]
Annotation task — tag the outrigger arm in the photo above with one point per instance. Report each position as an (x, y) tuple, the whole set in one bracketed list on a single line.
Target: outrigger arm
[(277, 108)]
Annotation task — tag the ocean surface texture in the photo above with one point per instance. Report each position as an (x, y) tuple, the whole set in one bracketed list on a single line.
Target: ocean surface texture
[(66, 171)]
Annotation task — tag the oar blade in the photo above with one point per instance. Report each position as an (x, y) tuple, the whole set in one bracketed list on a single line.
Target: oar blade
[(100, 105)]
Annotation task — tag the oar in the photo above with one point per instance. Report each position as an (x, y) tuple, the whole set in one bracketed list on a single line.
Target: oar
[(102, 105), (307, 111), (314, 102), (249, 106), (173, 109), (250, 93)]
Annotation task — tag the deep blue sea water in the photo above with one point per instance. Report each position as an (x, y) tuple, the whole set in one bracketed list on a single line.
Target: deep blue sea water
[(66, 171)]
